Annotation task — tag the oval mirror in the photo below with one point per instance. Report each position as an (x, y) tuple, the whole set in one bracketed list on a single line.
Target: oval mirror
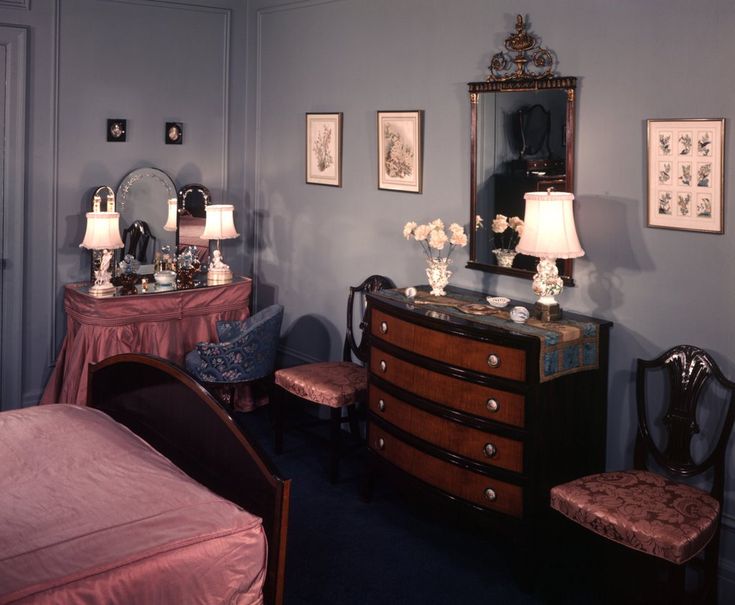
[(192, 202), (522, 139), (142, 201)]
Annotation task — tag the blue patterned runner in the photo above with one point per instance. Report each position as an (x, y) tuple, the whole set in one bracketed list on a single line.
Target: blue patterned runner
[(566, 345)]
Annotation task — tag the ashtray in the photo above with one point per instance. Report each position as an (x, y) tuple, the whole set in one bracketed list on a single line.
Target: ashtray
[(498, 301)]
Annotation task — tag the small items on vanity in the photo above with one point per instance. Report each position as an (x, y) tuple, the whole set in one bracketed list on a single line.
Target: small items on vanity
[(187, 266), (128, 274)]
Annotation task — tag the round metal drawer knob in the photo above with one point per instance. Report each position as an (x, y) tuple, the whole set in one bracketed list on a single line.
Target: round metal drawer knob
[(489, 450), (493, 360), (383, 327), (492, 405), (383, 365), (490, 494), (380, 443), (381, 405)]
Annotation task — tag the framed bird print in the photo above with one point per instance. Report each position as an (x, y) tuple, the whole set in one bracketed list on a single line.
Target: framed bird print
[(685, 174)]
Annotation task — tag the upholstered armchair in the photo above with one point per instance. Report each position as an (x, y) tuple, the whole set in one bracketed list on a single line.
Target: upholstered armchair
[(246, 352)]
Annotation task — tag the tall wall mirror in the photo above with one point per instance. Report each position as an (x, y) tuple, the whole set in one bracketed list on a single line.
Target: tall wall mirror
[(522, 139)]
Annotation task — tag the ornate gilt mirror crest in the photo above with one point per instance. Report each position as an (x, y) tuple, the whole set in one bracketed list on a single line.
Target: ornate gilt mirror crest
[(522, 139)]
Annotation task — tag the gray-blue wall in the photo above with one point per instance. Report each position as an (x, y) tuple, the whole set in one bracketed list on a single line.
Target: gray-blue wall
[(149, 61), (241, 74), (634, 60)]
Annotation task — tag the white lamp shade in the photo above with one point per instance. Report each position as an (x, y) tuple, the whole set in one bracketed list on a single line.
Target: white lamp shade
[(171, 221), (103, 231), (549, 230), (220, 222)]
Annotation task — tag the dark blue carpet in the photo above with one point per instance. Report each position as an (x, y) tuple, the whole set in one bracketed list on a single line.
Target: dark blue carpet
[(344, 551)]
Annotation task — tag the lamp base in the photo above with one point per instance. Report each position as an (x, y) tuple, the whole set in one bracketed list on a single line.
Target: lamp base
[(220, 275), (102, 289), (547, 312)]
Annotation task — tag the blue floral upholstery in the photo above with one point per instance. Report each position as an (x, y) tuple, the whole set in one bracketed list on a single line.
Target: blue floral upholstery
[(246, 350)]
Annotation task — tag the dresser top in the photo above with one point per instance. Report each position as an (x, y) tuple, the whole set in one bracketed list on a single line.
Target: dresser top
[(469, 309)]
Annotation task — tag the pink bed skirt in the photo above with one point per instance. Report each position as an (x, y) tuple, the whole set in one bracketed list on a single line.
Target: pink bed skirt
[(165, 324)]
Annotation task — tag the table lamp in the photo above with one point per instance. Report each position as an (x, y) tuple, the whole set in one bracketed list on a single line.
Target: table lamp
[(220, 225), (549, 233), (172, 217), (102, 236)]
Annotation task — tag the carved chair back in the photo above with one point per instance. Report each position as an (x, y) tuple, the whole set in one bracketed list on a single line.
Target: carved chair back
[(688, 370), (351, 346)]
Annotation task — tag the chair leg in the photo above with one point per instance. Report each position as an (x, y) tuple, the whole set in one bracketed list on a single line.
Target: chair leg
[(335, 423), (277, 400), (352, 417)]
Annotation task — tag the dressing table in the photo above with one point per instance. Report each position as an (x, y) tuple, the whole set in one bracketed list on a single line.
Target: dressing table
[(166, 323)]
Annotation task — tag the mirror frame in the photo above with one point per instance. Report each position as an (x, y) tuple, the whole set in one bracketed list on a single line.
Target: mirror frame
[(568, 84)]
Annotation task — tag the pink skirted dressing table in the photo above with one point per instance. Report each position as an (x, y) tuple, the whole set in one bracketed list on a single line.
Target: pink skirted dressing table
[(167, 324)]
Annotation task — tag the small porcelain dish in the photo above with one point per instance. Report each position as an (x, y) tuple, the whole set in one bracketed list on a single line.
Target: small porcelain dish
[(165, 278), (519, 314), (498, 301)]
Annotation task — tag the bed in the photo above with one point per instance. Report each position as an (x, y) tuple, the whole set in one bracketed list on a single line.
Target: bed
[(91, 512)]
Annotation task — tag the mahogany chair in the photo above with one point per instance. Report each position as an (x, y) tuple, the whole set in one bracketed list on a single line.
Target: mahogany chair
[(658, 513), (335, 385)]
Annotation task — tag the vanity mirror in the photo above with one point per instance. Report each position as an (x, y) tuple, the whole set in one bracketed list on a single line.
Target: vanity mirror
[(522, 139), (142, 200), (193, 200)]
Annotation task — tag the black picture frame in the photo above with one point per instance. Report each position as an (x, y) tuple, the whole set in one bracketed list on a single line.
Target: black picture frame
[(174, 133), (117, 130)]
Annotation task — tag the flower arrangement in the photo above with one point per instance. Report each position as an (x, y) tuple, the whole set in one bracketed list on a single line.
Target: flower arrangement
[(507, 230), (433, 238)]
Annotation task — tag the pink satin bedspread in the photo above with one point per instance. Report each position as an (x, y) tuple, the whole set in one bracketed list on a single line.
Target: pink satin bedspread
[(90, 514)]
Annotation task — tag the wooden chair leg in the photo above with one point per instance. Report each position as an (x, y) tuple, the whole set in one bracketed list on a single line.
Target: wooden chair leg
[(277, 400), (352, 417), (335, 424)]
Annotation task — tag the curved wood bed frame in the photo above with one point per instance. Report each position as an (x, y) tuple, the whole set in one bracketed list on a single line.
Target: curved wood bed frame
[(167, 408)]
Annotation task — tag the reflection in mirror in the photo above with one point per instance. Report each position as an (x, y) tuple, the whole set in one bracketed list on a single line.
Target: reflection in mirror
[(142, 200), (522, 140), (193, 200)]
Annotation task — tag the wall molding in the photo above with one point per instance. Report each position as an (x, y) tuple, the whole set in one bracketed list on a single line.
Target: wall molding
[(178, 5), (12, 219), (22, 4)]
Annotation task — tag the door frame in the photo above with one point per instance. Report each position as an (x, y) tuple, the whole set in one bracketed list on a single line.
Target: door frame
[(12, 216)]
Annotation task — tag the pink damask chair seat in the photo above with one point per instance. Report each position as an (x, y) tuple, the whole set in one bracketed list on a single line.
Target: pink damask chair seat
[(678, 395), (641, 510), (331, 383)]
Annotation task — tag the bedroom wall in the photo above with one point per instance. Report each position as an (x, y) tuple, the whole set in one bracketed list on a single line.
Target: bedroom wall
[(635, 60), (149, 61)]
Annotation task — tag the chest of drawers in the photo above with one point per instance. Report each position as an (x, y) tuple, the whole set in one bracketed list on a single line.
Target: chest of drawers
[(469, 410)]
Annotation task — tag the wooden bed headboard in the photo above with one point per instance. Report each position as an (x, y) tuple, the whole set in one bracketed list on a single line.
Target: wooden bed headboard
[(176, 415)]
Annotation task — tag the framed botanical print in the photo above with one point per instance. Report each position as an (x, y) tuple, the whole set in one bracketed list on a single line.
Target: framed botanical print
[(324, 149), (685, 174), (400, 150)]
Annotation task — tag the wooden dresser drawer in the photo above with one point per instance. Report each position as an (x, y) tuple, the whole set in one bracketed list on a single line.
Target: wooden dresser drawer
[(470, 486), (476, 399), (488, 358), (466, 441)]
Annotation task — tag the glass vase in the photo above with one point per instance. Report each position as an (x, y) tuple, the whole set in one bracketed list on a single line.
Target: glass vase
[(438, 274)]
